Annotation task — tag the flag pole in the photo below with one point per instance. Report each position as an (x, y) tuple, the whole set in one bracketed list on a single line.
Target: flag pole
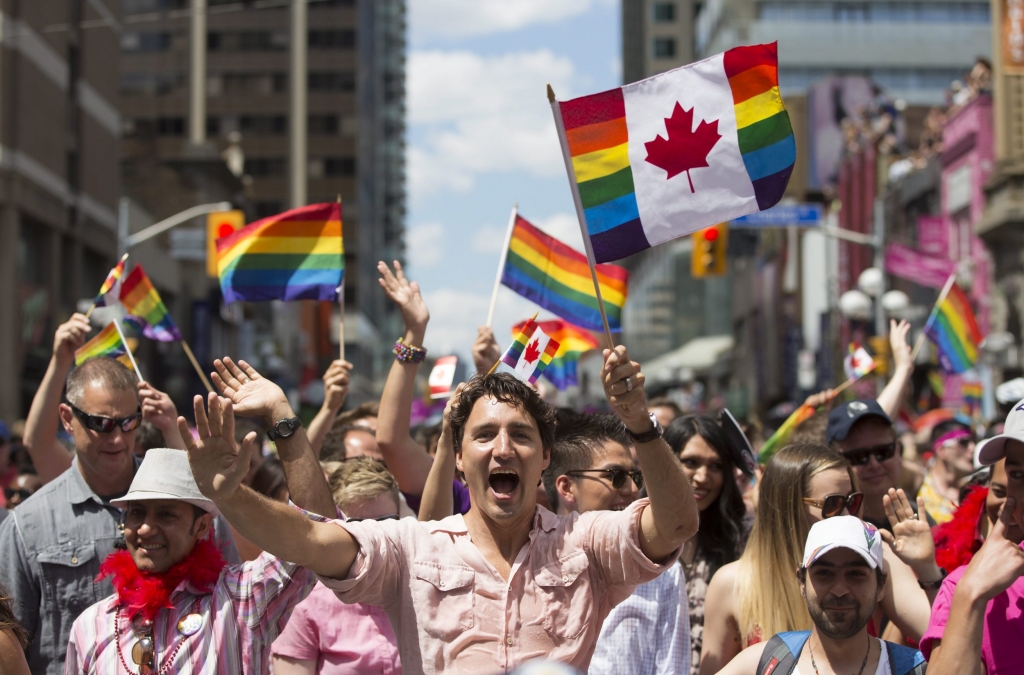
[(127, 348), (195, 364), (498, 362), (92, 307), (501, 262), (931, 317), (571, 173), (341, 293)]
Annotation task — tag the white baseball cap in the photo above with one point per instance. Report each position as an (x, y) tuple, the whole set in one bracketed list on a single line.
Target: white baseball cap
[(843, 532), (991, 450), (165, 474)]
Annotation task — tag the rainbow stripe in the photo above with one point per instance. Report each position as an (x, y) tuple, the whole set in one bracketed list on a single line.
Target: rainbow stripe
[(512, 356), (145, 308), (106, 343), (573, 341), (550, 349), (295, 255), (556, 277), (783, 434), (765, 133), (954, 330), (108, 284)]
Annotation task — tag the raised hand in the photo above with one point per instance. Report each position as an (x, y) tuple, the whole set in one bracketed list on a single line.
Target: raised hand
[(336, 383), (159, 410), (70, 336), (251, 394), (911, 537), (218, 463), (445, 443), (898, 342), (486, 350), (405, 294), (998, 563), (624, 387), (821, 398)]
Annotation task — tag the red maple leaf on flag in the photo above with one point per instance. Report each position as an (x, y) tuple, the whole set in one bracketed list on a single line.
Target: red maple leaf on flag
[(532, 353), (684, 149)]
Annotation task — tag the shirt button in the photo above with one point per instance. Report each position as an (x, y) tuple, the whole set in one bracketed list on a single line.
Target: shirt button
[(441, 583), (509, 641), (565, 578), (74, 561)]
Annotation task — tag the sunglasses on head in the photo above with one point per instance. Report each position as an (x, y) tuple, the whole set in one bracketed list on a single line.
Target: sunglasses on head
[(617, 476), (862, 456), (105, 425), (393, 516), (832, 505)]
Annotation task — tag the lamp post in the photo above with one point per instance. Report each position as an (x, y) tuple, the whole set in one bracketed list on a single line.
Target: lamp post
[(125, 241)]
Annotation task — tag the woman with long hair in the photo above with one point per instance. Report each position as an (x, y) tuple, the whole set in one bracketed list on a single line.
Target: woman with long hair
[(703, 450), (13, 640)]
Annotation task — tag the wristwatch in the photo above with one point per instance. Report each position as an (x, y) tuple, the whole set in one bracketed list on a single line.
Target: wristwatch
[(934, 585), (284, 428), (647, 436)]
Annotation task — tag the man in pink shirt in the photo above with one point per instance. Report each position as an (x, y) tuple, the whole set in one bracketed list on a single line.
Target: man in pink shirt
[(507, 582)]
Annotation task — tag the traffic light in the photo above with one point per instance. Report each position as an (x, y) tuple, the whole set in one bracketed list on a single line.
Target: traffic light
[(709, 246), (220, 224)]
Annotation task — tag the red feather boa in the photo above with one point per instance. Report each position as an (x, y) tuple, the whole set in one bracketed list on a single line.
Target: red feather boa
[(957, 541), (148, 592)]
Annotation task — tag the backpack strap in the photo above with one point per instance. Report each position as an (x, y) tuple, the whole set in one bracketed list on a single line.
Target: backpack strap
[(781, 653), (905, 660)]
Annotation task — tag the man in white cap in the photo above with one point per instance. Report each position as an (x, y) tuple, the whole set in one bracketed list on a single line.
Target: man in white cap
[(841, 579), (977, 618), (177, 606)]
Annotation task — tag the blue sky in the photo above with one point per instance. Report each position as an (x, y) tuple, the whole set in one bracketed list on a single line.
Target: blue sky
[(481, 137)]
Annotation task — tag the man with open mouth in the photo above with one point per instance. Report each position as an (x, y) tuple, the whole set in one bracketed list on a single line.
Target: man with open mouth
[(509, 581)]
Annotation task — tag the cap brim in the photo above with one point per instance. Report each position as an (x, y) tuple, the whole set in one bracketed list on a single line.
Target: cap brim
[(991, 450), (831, 547), (205, 504)]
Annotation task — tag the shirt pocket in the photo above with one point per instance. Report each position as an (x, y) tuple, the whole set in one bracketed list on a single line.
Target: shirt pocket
[(566, 597), (444, 599), (68, 587)]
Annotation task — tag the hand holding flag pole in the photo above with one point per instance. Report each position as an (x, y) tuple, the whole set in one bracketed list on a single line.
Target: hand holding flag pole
[(501, 263)]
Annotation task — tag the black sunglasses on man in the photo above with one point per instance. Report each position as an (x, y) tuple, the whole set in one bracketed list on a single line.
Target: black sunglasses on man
[(105, 425), (861, 456), (617, 476)]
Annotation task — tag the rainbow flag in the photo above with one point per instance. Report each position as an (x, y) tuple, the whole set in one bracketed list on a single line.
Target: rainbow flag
[(954, 330), (145, 308), (557, 277), (720, 121), (106, 343), (783, 434), (573, 342), (295, 255), (531, 352), (110, 282)]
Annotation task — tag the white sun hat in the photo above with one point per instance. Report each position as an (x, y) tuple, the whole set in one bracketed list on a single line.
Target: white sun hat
[(165, 474)]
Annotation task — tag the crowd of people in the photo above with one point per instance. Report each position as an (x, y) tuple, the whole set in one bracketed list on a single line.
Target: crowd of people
[(514, 536)]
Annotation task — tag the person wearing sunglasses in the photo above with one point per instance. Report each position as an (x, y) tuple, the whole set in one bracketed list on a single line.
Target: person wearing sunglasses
[(21, 487), (952, 443)]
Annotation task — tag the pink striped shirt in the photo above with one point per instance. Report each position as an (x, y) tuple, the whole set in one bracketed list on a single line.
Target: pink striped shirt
[(243, 614)]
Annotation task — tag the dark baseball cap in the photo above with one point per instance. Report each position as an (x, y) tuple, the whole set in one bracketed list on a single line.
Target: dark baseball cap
[(842, 419)]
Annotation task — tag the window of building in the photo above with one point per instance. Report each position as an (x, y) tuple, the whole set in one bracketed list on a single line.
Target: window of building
[(262, 84), (332, 81), (664, 48), (323, 125), (664, 12), (881, 12), (269, 208), (134, 84), (263, 125), (171, 126), (265, 167), (138, 6), (247, 41), (339, 167), (145, 41), (332, 39)]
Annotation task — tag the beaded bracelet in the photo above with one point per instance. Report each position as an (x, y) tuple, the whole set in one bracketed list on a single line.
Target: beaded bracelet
[(408, 353)]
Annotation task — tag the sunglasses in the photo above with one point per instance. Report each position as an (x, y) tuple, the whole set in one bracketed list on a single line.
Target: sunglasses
[(105, 425), (862, 456), (833, 505), (393, 516), (617, 476), (21, 493)]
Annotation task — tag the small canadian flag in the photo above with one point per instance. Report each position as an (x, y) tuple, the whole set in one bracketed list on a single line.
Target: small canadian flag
[(441, 377), (530, 353)]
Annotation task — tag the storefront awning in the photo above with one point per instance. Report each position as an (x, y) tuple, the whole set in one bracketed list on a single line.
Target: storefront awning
[(693, 358)]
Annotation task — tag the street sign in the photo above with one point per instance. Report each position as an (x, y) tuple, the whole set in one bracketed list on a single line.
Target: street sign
[(783, 215)]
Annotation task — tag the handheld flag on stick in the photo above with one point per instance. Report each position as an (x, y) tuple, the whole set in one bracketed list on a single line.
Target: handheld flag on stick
[(530, 353), (573, 343), (953, 329), (663, 157), (441, 377), (858, 362), (109, 286), (108, 342), (784, 433), (557, 277), (295, 255)]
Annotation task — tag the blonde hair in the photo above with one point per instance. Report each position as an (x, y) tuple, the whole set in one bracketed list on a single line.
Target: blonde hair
[(770, 601), (361, 479)]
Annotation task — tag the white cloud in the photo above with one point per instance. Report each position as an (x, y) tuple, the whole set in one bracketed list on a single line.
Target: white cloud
[(465, 18), (489, 238), (425, 245), (473, 114)]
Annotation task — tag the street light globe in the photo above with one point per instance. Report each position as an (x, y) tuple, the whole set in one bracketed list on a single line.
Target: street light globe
[(871, 281), (894, 302), (855, 304)]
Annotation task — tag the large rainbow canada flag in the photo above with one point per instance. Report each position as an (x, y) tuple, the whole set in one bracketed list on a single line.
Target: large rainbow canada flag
[(295, 255), (675, 153), (573, 343), (954, 330), (557, 277), (145, 308)]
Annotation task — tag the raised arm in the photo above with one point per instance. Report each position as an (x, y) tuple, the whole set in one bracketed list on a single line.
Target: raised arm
[(159, 410), (50, 458), (892, 396), (218, 466), (486, 350), (407, 460), (336, 383), (438, 501), (671, 517), (252, 395)]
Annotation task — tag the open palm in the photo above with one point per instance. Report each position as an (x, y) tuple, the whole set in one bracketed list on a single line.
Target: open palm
[(404, 293), (251, 394), (218, 463), (911, 539)]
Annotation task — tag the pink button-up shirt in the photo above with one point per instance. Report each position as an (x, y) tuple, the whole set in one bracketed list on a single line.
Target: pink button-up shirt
[(451, 610)]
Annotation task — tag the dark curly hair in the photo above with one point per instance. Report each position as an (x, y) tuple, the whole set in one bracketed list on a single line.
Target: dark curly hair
[(721, 524), (506, 389), (8, 622)]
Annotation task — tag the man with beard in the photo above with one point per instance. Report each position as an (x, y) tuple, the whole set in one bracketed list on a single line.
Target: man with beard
[(841, 579)]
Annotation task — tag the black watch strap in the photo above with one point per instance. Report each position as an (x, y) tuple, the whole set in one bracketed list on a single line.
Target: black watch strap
[(647, 436), (934, 585), (284, 428)]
